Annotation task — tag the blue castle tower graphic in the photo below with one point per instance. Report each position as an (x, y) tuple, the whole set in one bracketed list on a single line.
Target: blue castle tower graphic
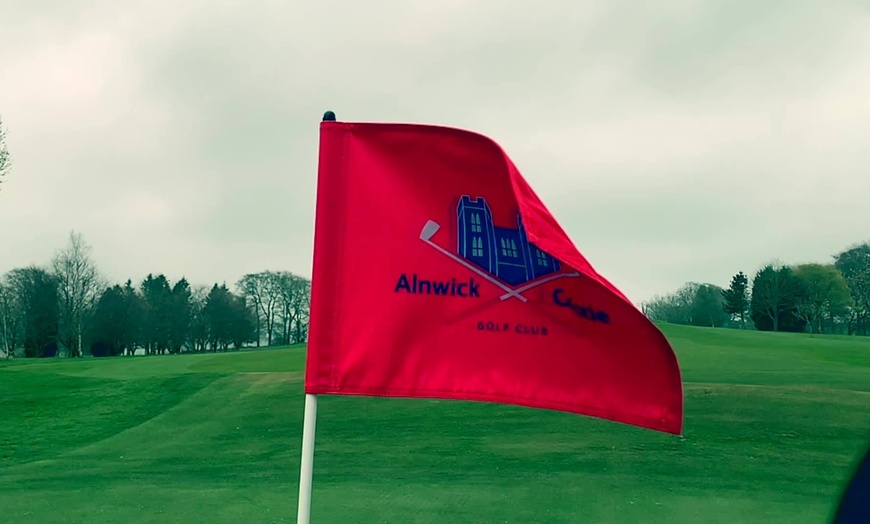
[(503, 252)]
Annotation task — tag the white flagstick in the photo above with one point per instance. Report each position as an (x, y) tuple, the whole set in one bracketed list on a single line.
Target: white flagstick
[(309, 422), (306, 470)]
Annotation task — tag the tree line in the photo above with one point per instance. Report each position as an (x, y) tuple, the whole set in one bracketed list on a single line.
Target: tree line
[(68, 308), (829, 298)]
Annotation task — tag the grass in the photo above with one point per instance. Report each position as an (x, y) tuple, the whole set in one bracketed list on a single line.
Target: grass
[(774, 425)]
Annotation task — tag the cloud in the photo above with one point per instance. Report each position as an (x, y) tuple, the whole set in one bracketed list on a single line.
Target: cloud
[(682, 141)]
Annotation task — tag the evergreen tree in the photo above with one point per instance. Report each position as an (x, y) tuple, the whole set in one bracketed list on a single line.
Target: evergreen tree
[(157, 325), (116, 322), (180, 321), (135, 314), (737, 298), (218, 315)]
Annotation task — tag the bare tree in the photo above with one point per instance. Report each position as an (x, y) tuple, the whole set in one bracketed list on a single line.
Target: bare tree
[(5, 157), (280, 301), (295, 305), (251, 288), (263, 290), (676, 307), (11, 314), (79, 287)]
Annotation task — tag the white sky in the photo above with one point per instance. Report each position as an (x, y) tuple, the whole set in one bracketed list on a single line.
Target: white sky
[(674, 140)]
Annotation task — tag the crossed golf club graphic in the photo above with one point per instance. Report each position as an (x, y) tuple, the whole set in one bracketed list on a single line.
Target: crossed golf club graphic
[(432, 227)]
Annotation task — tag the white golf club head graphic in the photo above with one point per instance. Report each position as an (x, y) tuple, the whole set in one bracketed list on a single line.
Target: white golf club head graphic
[(432, 227), (429, 230)]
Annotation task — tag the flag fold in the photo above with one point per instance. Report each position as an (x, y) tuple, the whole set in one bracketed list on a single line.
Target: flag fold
[(439, 273)]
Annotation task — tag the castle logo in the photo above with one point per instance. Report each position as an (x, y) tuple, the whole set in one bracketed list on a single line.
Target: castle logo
[(500, 255)]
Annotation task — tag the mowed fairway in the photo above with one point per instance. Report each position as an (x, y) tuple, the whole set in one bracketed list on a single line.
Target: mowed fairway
[(774, 424)]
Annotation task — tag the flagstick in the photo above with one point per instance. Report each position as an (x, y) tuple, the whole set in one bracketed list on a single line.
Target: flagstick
[(307, 469)]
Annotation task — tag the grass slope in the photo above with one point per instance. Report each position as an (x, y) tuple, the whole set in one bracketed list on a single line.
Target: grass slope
[(774, 424)]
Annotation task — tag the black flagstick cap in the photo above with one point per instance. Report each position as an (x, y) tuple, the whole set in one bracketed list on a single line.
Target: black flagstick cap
[(329, 116)]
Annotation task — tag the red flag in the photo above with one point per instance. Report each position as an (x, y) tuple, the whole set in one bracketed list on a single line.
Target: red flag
[(438, 273)]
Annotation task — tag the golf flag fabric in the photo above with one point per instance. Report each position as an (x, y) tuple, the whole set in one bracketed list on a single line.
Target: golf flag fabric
[(438, 273)]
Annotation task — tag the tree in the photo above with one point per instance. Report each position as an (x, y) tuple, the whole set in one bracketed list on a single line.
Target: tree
[(179, 322), (854, 264), (115, 326), (157, 317), (774, 301), (229, 321), (106, 326), (707, 307), (11, 314), (79, 286), (737, 298), (251, 287), (134, 318), (5, 157), (824, 294), (217, 313), (674, 308), (198, 322), (302, 308), (295, 303), (692, 304), (263, 290), (37, 292), (242, 324)]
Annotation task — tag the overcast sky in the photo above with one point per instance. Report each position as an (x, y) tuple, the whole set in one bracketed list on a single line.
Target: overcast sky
[(675, 140)]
